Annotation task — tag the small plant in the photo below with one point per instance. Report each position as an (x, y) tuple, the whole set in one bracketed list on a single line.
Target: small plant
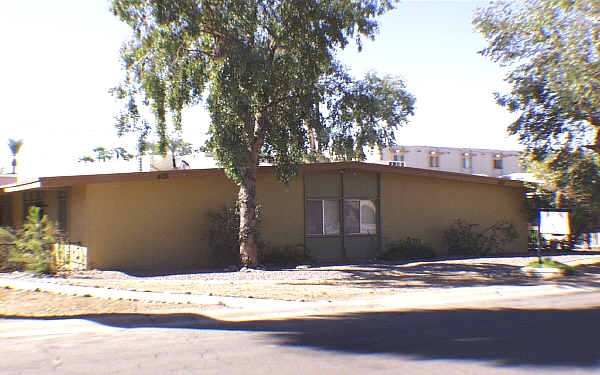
[(549, 263), (410, 248), (465, 239), (223, 234), (31, 248), (284, 256)]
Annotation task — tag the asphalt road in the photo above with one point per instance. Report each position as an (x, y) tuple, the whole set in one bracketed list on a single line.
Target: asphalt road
[(559, 334)]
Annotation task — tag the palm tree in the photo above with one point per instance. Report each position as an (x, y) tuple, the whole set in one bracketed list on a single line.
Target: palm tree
[(15, 147)]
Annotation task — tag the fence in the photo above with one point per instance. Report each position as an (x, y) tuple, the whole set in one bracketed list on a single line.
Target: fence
[(71, 257)]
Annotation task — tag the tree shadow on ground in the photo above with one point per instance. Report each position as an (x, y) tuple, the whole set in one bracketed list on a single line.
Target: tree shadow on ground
[(506, 337), (454, 275)]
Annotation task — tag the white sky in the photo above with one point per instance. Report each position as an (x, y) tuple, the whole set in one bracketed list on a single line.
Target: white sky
[(60, 58)]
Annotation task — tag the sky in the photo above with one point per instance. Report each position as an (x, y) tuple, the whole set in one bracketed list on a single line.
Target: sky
[(60, 58)]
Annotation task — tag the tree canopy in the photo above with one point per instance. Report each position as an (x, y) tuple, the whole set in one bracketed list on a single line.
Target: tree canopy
[(551, 48), (266, 70)]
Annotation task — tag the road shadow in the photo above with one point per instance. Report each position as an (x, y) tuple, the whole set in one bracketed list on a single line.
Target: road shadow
[(547, 338), (454, 275)]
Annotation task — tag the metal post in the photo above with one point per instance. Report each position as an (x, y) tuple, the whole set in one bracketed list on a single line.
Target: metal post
[(539, 253)]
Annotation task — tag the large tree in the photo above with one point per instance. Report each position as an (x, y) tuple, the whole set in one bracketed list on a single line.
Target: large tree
[(551, 50), (267, 71)]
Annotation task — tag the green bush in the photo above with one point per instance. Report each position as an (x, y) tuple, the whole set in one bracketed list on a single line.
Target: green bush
[(32, 247), (284, 256), (465, 239), (223, 234), (410, 248)]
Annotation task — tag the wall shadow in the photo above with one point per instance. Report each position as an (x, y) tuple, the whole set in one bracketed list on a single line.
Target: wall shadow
[(506, 337)]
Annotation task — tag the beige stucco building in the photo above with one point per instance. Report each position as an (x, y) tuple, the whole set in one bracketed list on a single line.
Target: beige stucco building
[(341, 212), (487, 162)]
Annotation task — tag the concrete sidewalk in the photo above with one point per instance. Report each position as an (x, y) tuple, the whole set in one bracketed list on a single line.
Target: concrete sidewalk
[(239, 309)]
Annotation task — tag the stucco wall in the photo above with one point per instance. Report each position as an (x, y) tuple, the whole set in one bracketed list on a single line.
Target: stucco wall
[(163, 224), (77, 220), (424, 207), (282, 210)]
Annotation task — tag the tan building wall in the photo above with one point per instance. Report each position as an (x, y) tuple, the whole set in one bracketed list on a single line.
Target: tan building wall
[(282, 210), (423, 208), (163, 224), (77, 220)]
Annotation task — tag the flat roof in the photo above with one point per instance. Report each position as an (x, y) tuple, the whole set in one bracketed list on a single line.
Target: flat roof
[(65, 181)]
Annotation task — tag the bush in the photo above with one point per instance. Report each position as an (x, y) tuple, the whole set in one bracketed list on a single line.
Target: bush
[(410, 248), (223, 234), (464, 238), (32, 248), (284, 256)]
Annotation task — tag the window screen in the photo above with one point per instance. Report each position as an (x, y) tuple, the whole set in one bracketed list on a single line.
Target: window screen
[(332, 216), (323, 217), (351, 216), (314, 214), (360, 217)]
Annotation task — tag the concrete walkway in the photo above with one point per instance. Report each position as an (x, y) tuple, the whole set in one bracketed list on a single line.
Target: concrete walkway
[(253, 308)]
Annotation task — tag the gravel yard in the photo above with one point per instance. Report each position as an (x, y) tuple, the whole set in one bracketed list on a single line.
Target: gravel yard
[(335, 282)]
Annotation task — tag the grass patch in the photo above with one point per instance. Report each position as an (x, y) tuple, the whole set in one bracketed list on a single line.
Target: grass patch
[(549, 263)]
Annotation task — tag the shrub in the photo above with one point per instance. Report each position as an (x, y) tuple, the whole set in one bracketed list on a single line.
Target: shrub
[(284, 256), (410, 248), (223, 234), (31, 248), (465, 239)]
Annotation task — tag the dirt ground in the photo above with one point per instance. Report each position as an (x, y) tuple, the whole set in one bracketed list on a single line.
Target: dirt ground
[(40, 304), (314, 284)]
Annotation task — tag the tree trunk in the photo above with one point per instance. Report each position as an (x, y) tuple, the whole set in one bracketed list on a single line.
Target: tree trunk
[(248, 223), (247, 199)]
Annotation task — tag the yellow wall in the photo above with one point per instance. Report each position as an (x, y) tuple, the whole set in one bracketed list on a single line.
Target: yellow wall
[(423, 207), (163, 224), (282, 210), (77, 221)]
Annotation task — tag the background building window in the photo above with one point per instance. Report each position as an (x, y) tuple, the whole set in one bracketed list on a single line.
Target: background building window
[(434, 160), (360, 216), (498, 161), (323, 217), (467, 161), (398, 157)]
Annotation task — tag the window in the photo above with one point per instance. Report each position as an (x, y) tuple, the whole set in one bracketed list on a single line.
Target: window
[(360, 217), (323, 217), (467, 162), (498, 161), (434, 159), (399, 157)]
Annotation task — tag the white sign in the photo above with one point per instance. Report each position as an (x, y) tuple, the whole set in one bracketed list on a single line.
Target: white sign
[(554, 222)]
